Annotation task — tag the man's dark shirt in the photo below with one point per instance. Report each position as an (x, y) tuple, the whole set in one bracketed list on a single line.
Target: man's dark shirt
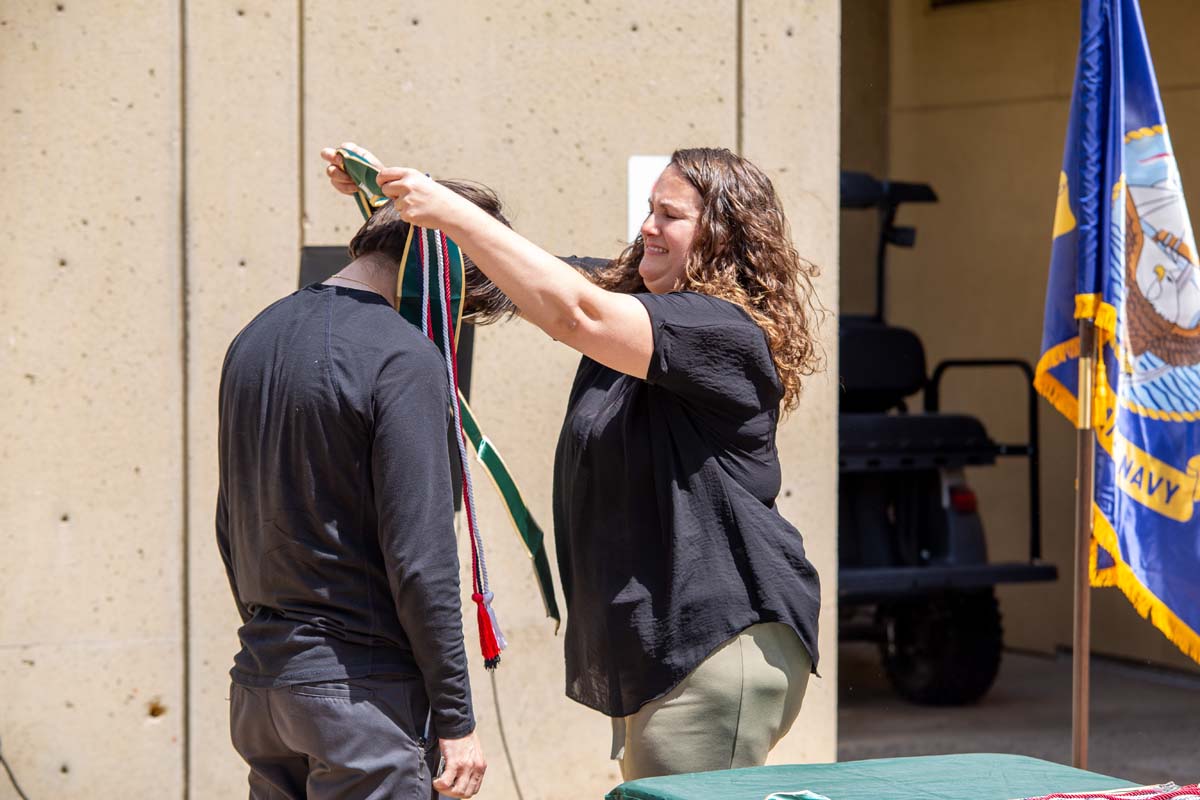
[(335, 511)]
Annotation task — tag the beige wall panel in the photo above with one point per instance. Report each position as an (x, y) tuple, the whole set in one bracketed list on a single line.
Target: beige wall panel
[(981, 53), (72, 710), (1170, 28), (865, 71), (243, 252), (90, 460), (542, 101), (975, 284), (991, 52), (996, 262), (791, 132)]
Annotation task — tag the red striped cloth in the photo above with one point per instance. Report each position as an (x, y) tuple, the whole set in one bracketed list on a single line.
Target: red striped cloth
[(1162, 791)]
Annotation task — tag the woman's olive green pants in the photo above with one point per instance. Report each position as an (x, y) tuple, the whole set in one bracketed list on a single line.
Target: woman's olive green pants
[(728, 712)]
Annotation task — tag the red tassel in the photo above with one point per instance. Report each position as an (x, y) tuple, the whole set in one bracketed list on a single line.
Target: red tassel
[(487, 636)]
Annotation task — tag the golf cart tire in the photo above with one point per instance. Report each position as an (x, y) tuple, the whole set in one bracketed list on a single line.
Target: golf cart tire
[(944, 649)]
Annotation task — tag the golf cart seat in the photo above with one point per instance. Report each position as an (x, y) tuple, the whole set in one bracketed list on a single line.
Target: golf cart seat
[(912, 441), (881, 366)]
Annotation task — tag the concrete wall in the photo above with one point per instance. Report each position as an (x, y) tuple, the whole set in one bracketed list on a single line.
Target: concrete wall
[(787, 38), (979, 101), (242, 239), (91, 434), (197, 184)]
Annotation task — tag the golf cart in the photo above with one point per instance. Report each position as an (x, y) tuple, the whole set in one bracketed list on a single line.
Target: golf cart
[(914, 573)]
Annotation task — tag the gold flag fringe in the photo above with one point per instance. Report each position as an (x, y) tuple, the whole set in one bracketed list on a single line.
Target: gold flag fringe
[(1147, 604)]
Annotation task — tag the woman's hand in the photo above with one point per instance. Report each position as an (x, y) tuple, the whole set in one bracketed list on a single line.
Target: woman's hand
[(336, 171), (422, 201)]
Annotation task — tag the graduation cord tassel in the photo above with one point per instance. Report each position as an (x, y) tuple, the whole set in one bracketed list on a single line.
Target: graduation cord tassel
[(491, 639), (490, 636)]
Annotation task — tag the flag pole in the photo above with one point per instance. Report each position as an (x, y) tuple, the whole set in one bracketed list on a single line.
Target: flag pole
[(1085, 463)]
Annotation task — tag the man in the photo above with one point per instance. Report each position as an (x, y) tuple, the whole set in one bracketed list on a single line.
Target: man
[(335, 522)]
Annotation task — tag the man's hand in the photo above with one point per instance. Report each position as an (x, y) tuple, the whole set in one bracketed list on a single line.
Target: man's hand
[(337, 170), (465, 766)]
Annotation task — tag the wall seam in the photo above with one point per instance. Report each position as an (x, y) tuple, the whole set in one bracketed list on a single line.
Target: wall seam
[(300, 122), (739, 94), (185, 347)]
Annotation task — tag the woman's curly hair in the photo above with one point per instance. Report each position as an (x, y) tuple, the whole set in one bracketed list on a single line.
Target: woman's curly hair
[(742, 252)]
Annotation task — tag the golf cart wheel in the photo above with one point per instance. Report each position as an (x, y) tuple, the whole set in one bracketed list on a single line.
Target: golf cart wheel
[(944, 649)]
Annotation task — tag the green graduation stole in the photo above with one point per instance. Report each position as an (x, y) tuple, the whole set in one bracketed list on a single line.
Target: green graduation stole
[(430, 293)]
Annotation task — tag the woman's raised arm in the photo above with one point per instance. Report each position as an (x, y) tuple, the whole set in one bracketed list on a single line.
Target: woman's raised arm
[(608, 327)]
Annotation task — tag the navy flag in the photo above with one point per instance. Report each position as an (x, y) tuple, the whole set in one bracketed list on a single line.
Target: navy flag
[(1124, 257)]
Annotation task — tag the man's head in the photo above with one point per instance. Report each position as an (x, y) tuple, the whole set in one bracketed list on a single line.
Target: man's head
[(385, 233)]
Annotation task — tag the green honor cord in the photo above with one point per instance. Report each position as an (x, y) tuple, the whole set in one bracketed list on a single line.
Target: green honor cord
[(369, 197), (518, 513)]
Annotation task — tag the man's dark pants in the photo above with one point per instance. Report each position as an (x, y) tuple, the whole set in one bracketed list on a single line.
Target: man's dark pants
[(357, 739)]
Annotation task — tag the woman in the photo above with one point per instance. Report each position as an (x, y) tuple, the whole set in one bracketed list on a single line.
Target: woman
[(692, 610)]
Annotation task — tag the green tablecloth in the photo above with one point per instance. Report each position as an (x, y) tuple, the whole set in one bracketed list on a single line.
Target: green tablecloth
[(975, 776)]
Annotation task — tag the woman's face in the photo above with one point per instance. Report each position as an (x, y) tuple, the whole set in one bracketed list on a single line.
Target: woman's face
[(668, 231)]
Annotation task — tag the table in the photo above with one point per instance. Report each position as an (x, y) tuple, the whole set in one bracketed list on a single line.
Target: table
[(973, 776)]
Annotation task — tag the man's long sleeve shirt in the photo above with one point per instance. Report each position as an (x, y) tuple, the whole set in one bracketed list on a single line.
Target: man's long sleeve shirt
[(335, 513)]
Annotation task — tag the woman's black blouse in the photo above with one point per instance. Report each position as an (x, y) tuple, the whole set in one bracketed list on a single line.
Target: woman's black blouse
[(669, 542)]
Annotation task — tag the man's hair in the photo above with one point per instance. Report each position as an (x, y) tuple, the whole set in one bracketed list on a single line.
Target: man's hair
[(386, 233)]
